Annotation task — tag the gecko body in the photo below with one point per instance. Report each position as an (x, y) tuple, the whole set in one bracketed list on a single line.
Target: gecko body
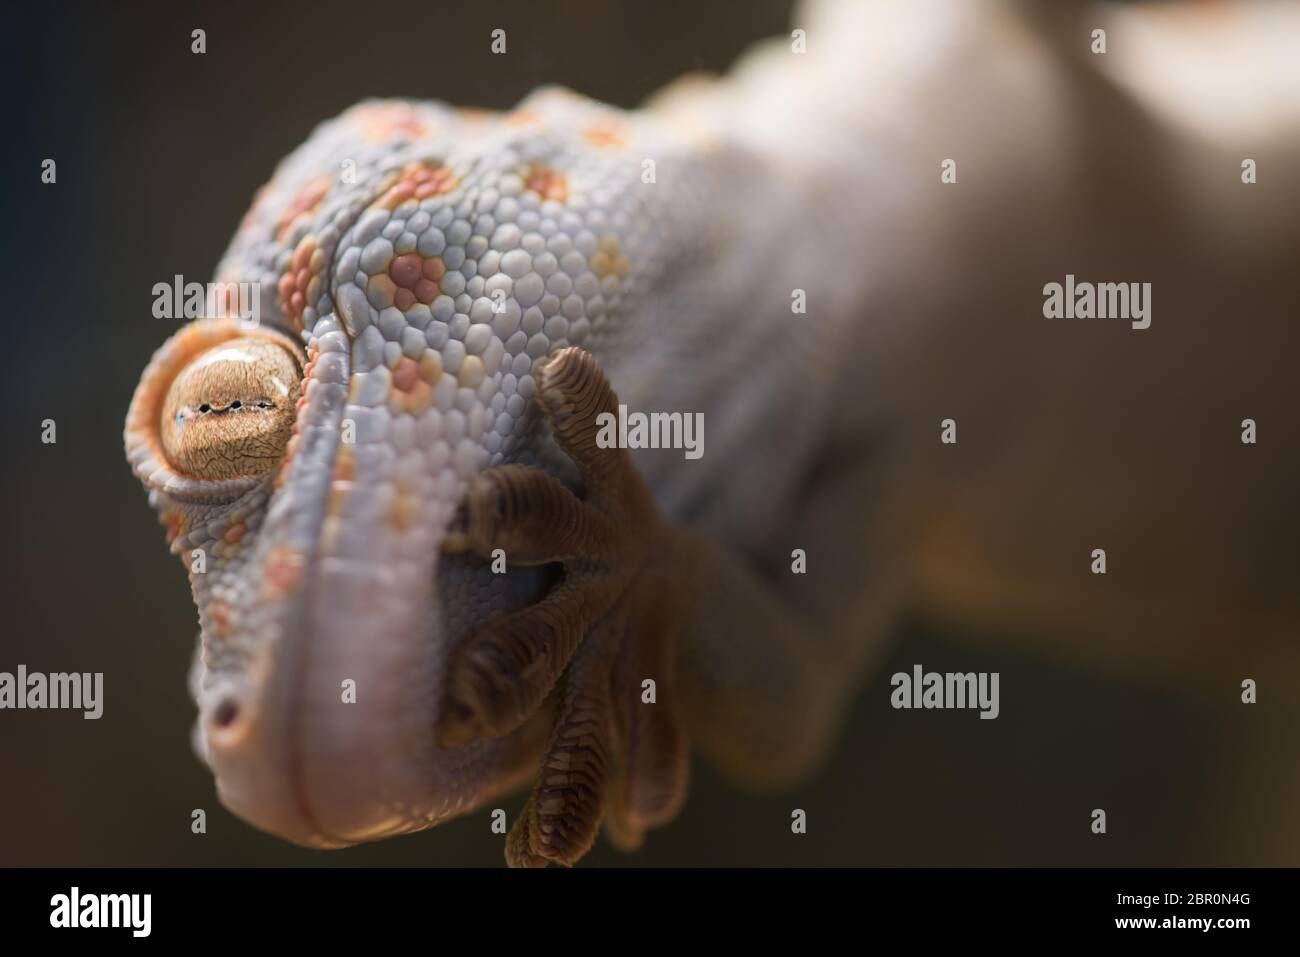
[(449, 299), (418, 262)]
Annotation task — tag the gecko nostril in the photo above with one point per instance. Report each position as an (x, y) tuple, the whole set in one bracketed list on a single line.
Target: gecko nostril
[(225, 713)]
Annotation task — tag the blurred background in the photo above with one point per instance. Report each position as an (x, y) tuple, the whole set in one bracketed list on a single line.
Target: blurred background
[(159, 153)]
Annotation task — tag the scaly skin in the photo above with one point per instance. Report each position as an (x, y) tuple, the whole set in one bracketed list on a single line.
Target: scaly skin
[(429, 260)]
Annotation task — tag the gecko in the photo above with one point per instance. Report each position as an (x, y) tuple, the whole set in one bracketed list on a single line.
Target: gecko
[(423, 583)]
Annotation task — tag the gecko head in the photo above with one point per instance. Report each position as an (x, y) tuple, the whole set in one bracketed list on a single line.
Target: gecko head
[(411, 305), (311, 539)]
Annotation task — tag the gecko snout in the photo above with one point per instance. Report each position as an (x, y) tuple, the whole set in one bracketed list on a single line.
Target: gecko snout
[(247, 758)]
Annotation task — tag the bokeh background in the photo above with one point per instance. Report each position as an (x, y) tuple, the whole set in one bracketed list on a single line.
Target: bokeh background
[(159, 153)]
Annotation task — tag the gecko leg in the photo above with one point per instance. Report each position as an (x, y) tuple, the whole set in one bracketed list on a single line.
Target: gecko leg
[(617, 751)]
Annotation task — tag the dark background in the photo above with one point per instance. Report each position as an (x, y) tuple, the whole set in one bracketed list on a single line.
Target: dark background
[(159, 153)]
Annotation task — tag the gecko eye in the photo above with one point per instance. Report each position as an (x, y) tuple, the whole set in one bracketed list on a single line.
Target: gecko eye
[(230, 410)]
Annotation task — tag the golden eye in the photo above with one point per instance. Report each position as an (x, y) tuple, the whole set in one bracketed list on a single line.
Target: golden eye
[(229, 412)]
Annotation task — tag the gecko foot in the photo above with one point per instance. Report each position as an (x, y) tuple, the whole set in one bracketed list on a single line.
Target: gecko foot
[(607, 631)]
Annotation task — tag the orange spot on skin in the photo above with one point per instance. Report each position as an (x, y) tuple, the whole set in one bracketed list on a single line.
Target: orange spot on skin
[(470, 114), (175, 523), (405, 270), (235, 533), (417, 181), (546, 182), (282, 572), (341, 484), (291, 447), (605, 133), (406, 375), (308, 371), (415, 279), (381, 291), (303, 202), (521, 118), (609, 259), (402, 510), (385, 121), (345, 465), (221, 619), (296, 282), (338, 495), (413, 383)]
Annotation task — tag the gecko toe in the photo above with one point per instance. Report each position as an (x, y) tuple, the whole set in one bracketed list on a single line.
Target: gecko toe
[(504, 670), (563, 814), (651, 784)]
